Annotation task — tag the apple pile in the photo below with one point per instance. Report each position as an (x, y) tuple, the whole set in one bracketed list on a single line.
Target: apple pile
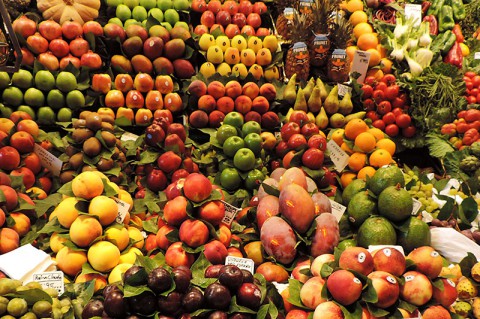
[(55, 46), (156, 50), (370, 280), (464, 129), (215, 100), (230, 17)]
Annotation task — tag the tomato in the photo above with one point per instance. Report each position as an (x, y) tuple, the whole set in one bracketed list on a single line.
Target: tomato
[(462, 127), (476, 81), (367, 91), (370, 80), (478, 97), (369, 105), (389, 79), (372, 115), (474, 92), (389, 118), (409, 131), (397, 111), (470, 74), (461, 114), (378, 96), (392, 130), (379, 124), (475, 125), (384, 107), (392, 91), (398, 102), (381, 86), (469, 85), (466, 78), (403, 120), (471, 100)]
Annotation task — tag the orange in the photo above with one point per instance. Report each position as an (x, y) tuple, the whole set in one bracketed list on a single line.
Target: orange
[(374, 57), (378, 133), (367, 41), (346, 148), (365, 142), (347, 178), (358, 17), (357, 161), (366, 171), (362, 28), (387, 145), (354, 5), (355, 127), (337, 136), (376, 73), (382, 50), (380, 158), (386, 65), (350, 50)]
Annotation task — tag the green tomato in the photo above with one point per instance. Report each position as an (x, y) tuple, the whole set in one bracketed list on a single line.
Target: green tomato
[(224, 132), (244, 159), (234, 119), (254, 178), (251, 127), (230, 179), (254, 142), (232, 145)]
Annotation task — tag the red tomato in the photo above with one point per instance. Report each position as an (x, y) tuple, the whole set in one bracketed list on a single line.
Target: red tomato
[(476, 81), (389, 118), (466, 78), (461, 114), (409, 131), (384, 107), (398, 102), (469, 85), (462, 127), (474, 92), (392, 130), (372, 115), (370, 80), (471, 99), (381, 86), (389, 79), (367, 91), (470, 74), (475, 125), (391, 92), (403, 120), (369, 105), (397, 111), (478, 97), (378, 96), (379, 124)]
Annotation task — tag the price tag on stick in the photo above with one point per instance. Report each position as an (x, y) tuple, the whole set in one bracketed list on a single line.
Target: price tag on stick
[(242, 263), (123, 208), (360, 65), (414, 11), (230, 213), (337, 155), (51, 279), (48, 160)]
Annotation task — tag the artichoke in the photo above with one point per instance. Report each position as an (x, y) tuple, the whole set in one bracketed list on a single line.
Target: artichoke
[(475, 149), (470, 164)]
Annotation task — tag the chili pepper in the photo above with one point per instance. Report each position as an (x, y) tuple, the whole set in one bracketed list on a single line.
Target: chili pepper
[(443, 42), (433, 24), (454, 56), (435, 7), (457, 30), (470, 136), (445, 19), (458, 10), (425, 6)]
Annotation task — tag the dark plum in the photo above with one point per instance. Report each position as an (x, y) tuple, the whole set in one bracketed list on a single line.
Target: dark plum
[(159, 280), (170, 304), (108, 289), (213, 271), (182, 276), (217, 296), (94, 308), (144, 304), (231, 276), (249, 295), (115, 304), (247, 276), (240, 315), (192, 300), (218, 315), (135, 276)]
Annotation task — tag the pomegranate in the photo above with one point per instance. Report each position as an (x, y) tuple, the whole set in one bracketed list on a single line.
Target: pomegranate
[(72, 30), (91, 60), (48, 60), (93, 27), (78, 47), (37, 43), (69, 59), (50, 29), (27, 56), (24, 26), (59, 47)]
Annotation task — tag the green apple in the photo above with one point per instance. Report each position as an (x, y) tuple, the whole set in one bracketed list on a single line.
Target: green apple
[(46, 116), (5, 111), (182, 24), (44, 80), (251, 127), (181, 4), (157, 14), (131, 3), (22, 79), (116, 21), (34, 97), (244, 159), (234, 119), (232, 145), (166, 25), (29, 110), (254, 178), (4, 80), (66, 81), (148, 4), (139, 13), (130, 22), (12, 96), (75, 99), (64, 115), (230, 179), (55, 99), (123, 12), (254, 142), (114, 3), (164, 5), (224, 132)]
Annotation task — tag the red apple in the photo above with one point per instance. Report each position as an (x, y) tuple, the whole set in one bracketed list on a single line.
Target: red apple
[(9, 158), (344, 287), (318, 141), (313, 158), (23, 142), (297, 142), (156, 180), (299, 117), (288, 130)]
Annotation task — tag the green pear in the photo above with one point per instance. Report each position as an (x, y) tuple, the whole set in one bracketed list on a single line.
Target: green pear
[(331, 103), (287, 117), (315, 101), (323, 89), (290, 91), (359, 115), (337, 120), (307, 90), (300, 102), (322, 119), (345, 106)]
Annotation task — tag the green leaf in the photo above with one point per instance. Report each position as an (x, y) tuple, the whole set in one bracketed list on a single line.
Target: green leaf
[(437, 146), (407, 306), (369, 294), (53, 226), (352, 312), (234, 307), (203, 282), (468, 210), (66, 189), (44, 205), (147, 157), (326, 270), (294, 287), (270, 190), (131, 291), (87, 269), (137, 278), (199, 266), (262, 312), (108, 190), (31, 296), (467, 263), (150, 225), (377, 312)]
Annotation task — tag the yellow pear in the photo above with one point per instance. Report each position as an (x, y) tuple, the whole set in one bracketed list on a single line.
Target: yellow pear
[(322, 119), (290, 92), (331, 103), (323, 89), (345, 106), (300, 102), (315, 101), (307, 90)]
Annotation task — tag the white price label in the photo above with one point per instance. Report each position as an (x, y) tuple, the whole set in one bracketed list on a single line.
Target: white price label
[(48, 160), (360, 65), (343, 89), (414, 11), (242, 263), (416, 206), (338, 156), (476, 56), (127, 136), (123, 208), (185, 120), (278, 135), (51, 279), (230, 213), (337, 209)]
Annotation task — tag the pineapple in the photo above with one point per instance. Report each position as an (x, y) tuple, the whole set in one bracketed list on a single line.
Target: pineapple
[(298, 57), (338, 63), (283, 24), (319, 43)]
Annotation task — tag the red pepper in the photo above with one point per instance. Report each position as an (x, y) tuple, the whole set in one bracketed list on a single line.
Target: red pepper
[(457, 30), (470, 136), (449, 129), (425, 6), (433, 23), (454, 56)]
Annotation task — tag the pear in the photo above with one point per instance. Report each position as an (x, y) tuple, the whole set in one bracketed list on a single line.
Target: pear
[(287, 117), (323, 89), (315, 101), (290, 92), (331, 103), (311, 117), (307, 90), (359, 115), (322, 119), (300, 102), (337, 120), (345, 106)]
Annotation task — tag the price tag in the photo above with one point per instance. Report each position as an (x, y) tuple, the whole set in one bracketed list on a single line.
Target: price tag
[(476, 56), (48, 160), (373, 248), (127, 136), (416, 206), (123, 208), (337, 209), (242, 263), (414, 11), (51, 279), (427, 217), (185, 120), (278, 135), (343, 89), (337, 155), (360, 65), (230, 213), (144, 234)]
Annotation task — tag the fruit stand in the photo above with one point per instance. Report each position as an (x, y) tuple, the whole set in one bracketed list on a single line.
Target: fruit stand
[(243, 159)]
